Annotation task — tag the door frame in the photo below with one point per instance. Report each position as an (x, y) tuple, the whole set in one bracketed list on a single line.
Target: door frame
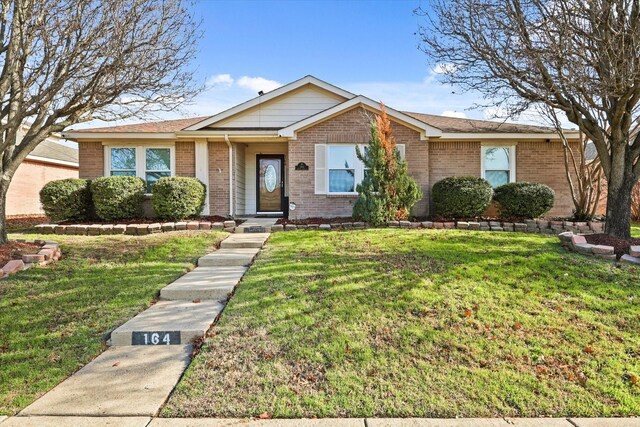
[(282, 182)]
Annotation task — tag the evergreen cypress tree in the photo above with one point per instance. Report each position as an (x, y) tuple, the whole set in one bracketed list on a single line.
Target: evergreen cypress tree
[(387, 192)]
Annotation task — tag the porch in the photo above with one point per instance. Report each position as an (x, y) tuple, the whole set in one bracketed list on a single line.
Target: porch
[(260, 178)]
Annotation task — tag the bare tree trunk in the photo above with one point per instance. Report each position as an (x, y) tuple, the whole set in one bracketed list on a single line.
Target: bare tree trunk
[(620, 186), (4, 187)]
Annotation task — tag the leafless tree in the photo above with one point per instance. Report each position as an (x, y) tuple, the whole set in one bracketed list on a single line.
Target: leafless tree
[(581, 57), (584, 173), (64, 62)]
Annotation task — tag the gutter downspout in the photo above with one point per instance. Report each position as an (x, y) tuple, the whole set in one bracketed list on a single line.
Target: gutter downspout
[(226, 139)]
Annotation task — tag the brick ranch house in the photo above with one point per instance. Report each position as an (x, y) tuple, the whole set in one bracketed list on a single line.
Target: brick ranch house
[(295, 146), (49, 161)]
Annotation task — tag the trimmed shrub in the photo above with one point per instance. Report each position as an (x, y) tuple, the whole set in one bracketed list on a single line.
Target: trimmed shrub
[(461, 197), (67, 199), (118, 197), (523, 200), (178, 197)]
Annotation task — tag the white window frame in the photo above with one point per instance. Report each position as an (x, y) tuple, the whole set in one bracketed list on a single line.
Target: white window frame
[(512, 159), (141, 158), (358, 168)]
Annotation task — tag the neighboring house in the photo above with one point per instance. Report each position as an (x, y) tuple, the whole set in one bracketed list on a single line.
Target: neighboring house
[(49, 161), (296, 144)]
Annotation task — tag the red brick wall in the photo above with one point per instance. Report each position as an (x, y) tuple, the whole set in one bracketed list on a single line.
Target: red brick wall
[(218, 178), (544, 162), (349, 127), (23, 197), (452, 158), (91, 157), (185, 158)]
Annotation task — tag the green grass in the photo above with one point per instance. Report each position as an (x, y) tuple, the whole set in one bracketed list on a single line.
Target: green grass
[(400, 323), (635, 230), (53, 320)]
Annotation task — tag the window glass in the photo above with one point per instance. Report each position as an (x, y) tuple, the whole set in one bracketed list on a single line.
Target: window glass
[(123, 161), (158, 159), (341, 181), (497, 166), (158, 165), (496, 158), (342, 157), (497, 178), (342, 173)]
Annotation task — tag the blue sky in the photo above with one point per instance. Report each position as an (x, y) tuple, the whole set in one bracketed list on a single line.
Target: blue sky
[(367, 47)]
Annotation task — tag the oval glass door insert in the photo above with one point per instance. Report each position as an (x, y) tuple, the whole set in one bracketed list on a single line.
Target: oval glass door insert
[(270, 178)]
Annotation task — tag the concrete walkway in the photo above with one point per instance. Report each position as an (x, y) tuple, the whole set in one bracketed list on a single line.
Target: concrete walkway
[(46, 421), (256, 225), (150, 352)]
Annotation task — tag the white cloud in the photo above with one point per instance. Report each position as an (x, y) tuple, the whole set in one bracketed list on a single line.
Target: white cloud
[(258, 84), (444, 68), (219, 80), (457, 114)]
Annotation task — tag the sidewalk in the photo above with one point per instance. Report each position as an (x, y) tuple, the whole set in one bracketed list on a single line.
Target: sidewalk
[(46, 421), (148, 355)]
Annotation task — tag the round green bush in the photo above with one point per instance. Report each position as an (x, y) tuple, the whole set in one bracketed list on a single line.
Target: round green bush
[(67, 199), (461, 197), (178, 197), (118, 197), (523, 200)]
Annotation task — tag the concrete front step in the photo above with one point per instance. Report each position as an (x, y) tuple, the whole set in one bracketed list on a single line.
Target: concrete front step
[(253, 229), (168, 323), (204, 283), (122, 381), (229, 257), (247, 240)]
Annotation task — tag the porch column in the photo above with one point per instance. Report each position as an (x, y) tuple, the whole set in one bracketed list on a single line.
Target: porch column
[(202, 168)]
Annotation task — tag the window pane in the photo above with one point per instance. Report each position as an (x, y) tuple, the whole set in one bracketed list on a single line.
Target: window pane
[(496, 158), (497, 178), (342, 157), (341, 181), (123, 173), (158, 159), (152, 177), (123, 158)]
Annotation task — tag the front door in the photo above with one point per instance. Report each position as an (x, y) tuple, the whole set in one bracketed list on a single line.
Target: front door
[(270, 183)]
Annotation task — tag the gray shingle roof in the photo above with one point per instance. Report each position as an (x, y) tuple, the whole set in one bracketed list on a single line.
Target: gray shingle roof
[(54, 151)]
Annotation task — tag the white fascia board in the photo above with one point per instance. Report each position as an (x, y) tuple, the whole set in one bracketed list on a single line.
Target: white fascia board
[(73, 136), (234, 133), (271, 95), (52, 161), (426, 130), (519, 136)]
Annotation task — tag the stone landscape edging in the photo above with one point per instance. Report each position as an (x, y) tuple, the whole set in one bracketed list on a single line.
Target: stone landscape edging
[(529, 226), (578, 243), (49, 252), (134, 228)]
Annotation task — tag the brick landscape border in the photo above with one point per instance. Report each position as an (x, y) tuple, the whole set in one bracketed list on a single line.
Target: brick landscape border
[(49, 252), (578, 243), (529, 226), (133, 229)]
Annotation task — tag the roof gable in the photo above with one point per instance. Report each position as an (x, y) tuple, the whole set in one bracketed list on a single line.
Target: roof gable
[(280, 107), (425, 129)]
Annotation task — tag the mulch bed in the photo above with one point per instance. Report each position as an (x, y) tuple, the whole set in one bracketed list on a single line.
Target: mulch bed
[(25, 221), (15, 250), (213, 218), (621, 246), (285, 221)]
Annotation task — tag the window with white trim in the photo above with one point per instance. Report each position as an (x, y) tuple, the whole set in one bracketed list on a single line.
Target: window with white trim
[(342, 162), (498, 164), (344, 171), (148, 163)]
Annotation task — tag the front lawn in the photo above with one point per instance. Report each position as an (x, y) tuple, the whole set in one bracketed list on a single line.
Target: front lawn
[(422, 323), (53, 320)]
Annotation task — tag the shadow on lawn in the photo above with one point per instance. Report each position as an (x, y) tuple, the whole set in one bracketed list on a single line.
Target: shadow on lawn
[(420, 323)]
